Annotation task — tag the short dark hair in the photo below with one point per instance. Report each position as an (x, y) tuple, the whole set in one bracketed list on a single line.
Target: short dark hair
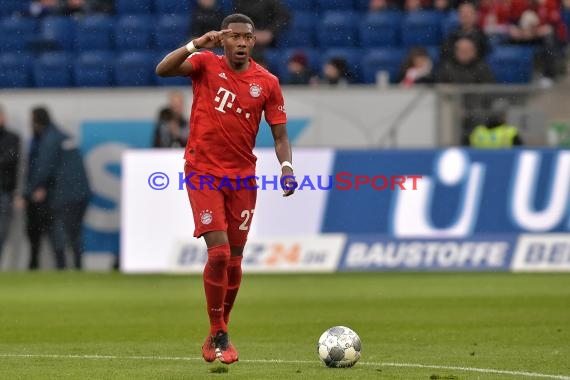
[(40, 116), (237, 18)]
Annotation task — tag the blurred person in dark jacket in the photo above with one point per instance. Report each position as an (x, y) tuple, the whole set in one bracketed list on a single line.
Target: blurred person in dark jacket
[(57, 191), (270, 17), (467, 28), (171, 130), (466, 66), (9, 159), (207, 15)]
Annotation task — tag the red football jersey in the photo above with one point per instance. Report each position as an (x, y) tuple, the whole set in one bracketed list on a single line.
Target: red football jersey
[(226, 112)]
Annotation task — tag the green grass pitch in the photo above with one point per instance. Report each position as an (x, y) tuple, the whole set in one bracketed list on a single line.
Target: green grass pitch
[(413, 326)]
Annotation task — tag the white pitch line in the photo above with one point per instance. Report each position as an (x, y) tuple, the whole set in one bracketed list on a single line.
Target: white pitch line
[(480, 370), (401, 365)]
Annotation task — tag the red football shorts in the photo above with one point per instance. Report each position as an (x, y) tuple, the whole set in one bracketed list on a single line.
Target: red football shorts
[(221, 204)]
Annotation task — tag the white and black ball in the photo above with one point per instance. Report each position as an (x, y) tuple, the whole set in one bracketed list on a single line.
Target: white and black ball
[(339, 347)]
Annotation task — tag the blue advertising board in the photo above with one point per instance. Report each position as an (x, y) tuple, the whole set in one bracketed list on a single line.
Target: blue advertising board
[(385, 253), (102, 145), (463, 192)]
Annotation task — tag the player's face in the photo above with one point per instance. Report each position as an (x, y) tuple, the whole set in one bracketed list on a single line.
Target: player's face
[(238, 43)]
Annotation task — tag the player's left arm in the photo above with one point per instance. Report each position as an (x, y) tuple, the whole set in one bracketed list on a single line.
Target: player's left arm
[(277, 118), (284, 155)]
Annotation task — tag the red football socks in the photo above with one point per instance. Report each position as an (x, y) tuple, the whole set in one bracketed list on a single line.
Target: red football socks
[(234, 280), (215, 285)]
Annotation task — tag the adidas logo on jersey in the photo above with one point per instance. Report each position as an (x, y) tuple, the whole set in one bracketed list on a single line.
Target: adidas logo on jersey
[(223, 75)]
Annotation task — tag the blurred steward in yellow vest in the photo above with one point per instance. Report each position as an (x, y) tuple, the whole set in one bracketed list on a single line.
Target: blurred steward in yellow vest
[(497, 134)]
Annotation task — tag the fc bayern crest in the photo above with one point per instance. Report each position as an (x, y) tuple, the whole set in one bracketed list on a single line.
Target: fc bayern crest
[(206, 217), (255, 90)]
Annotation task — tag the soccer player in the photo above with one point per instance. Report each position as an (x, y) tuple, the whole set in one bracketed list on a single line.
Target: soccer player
[(231, 92)]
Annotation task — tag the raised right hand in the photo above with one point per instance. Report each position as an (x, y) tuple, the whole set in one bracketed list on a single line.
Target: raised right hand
[(211, 39)]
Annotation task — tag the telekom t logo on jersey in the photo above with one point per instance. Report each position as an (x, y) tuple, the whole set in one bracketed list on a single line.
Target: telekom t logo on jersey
[(226, 99)]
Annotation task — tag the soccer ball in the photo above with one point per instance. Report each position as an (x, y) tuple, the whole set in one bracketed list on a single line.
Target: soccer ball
[(339, 347)]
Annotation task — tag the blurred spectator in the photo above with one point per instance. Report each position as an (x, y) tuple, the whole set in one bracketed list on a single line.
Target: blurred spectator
[(71, 196), (57, 191), (42, 8), (9, 158), (380, 5), (467, 28), (496, 134), (417, 68), (168, 133), (465, 67), (541, 24), (494, 16), (207, 15), (172, 129), (335, 72), (103, 6), (75, 8), (269, 16), (442, 5), (413, 5), (299, 71)]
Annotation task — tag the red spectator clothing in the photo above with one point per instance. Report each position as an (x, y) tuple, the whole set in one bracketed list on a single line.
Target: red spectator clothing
[(226, 112), (494, 15), (549, 13)]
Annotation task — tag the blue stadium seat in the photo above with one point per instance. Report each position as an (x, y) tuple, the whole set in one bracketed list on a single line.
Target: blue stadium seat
[(362, 5), (435, 53), (352, 56), (173, 81), (512, 64), (301, 31), (566, 18), (12, 7), (329, 5), (313, 57), (381, 29), (60, 30), (16, 33), (94, 69), (170, 81), (171, 31), (338, 29), (95, 33), (277, 60), (134, 32), (133, 7), (300, 5), (53, 70), (227, 6), (179, 7), (135, 69), (387, 59), (15, 70), (449, 23), (422, 28)]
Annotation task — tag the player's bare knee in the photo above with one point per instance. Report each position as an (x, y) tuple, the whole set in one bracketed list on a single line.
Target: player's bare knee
[(214, 238)]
